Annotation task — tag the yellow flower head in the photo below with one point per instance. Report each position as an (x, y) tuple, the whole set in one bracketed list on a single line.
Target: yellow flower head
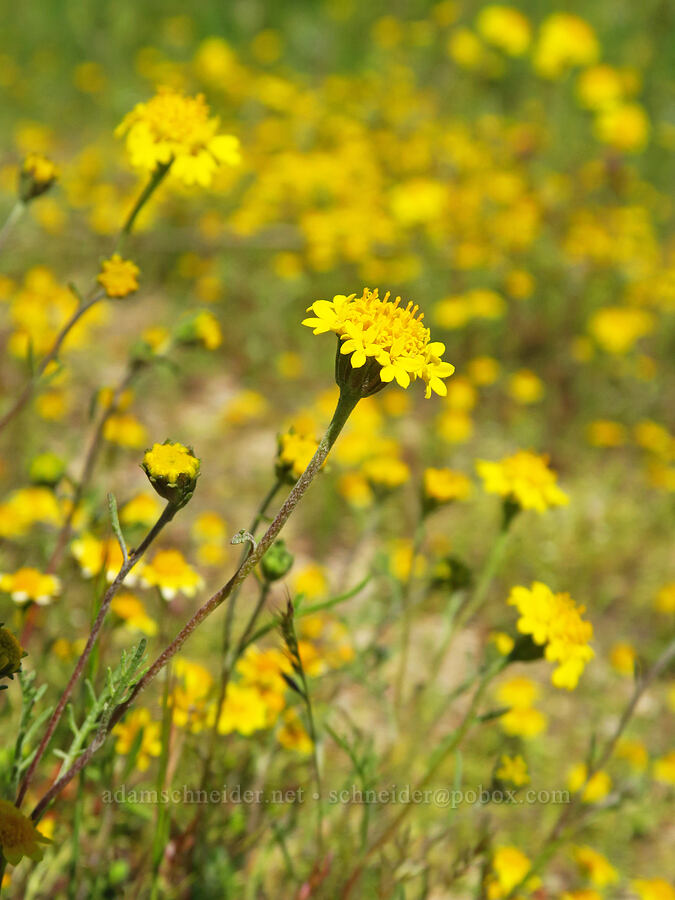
[(132, 612), (564, 41), (18, 835), (599, 784), (139, 721), (244, 710), (445, 485), (173, 471), (29, 585), (556, 621), (653, 889), (385, 473), (504, 27), (617, 328), (119, 276), (292, 735), (384, 341), (170, 573), (172, 128), (665, 599), (509, 866), (598, 868), (664, 768), (513, 769), (142, 509), (37, 175), (294, 453), (524, 478)]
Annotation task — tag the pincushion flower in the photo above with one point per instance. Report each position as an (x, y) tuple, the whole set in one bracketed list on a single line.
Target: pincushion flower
[(524, 478), (29, 585), (173, 470), (556, 621), (383, 340), (174, 129), (170, 574), (18, 836), (118, 276)]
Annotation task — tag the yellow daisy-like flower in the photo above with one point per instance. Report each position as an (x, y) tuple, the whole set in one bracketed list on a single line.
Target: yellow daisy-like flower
[(171, 574), (598, 867), (18, 836), (37, 175), (172, 128), (513, 769), (556, 621), (445, 485), (29, 585), (524, 478), (244, 710), (169, 461), (92, 555), (383, 340), (132, 612), (119, 276), (509, 866), (139, 720)]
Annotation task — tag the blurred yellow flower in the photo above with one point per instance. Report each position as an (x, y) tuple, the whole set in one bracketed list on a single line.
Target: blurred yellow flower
[(294, 454), (564, 41), (605, 433), (138, 721), (143, 509), (504, 27), (513, 769), (664, 768), (622, 657), (445, 485), (665, 599), (617, 328), (385, 473), (596, 866), (509, 867), (525, 478), (526, 387), (244, 710), (118, 276), (634, 752), (132, 612), (483, 370), (170, 573), (625, 127), (126, 431), (19, 836), (29, 585), (653, 889), (598, 787)]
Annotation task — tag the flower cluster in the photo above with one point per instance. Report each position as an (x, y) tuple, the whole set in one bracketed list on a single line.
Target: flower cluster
[(524, 478), (391, 338), (554, 620)]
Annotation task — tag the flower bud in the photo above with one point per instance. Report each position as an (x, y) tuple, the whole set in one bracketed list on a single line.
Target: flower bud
[(276, 562), (11, 654), (37, 175), (173, 471), (363, 381)]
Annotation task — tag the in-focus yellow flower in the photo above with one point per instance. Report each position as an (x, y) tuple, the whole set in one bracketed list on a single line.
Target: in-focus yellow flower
[(127, 731), (556, 621), (386, 340), (599, 785), (504, 27), (513, 769), (18, 836), (119, 276), (445, 485), (132, 612), (169, 461), (598, 868), (173, 128), (292, 735), (524, 478), (653, 889), (509, 866), (29, 585), (169, 572)]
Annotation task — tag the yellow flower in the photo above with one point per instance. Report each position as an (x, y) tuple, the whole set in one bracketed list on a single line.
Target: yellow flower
[(599, 785), (294, 454), (209, 526), (27, 507), (598, 868), (504, 27), (605, 433), (245, 407), (171, 574), (625, 126), (37, 175), (445, 485), (356, 490), (581, 894), (400, 558), (29, 585), (244, 710), (119, 276), (665, 599), (555, 620), (261, 669), (381, 333), (564, 41), (173, 470), (601, 86), (127, 731), (131, 610), (634, 752), (513, 769), (622, 657), (525, 387), (509, 866), (18, 836), (653, 889), (617, 328), (483, 370), (385, 473), (172, 128), (311, 582), (503, 642), (292, 735), (664, 768), (126, 431), (143, 509), (324, 643), (522, 719), (11, 654), (93, 555), (525, 478)]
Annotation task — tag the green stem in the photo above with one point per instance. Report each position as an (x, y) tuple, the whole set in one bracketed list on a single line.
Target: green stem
[(15, 214), (345, 406), (315, 760), (155, 180)]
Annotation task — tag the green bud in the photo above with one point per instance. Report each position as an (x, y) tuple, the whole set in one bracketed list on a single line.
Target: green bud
[(46, 469), (276, 562)]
